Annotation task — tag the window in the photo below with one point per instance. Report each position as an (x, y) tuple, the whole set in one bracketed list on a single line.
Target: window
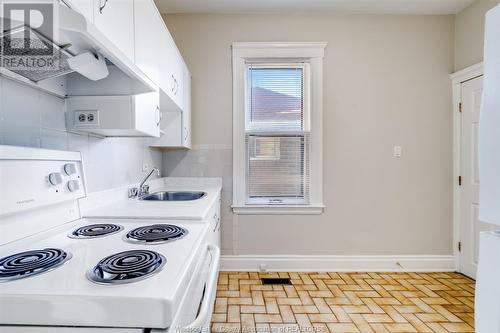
[(277, 132)]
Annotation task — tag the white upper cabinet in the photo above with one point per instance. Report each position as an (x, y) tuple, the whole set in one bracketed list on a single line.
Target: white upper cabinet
[(84, 7), (155, 51), (137, 28), (115, 19), (176, 126), (172, 77), (149, 27), (186, 114), (136, 115), (178, 79), (158, 56)]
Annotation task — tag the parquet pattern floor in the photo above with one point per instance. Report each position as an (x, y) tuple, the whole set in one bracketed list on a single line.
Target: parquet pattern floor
[(345, 303)]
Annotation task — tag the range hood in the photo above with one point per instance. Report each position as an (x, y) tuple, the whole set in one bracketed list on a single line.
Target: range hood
[(88, 62)]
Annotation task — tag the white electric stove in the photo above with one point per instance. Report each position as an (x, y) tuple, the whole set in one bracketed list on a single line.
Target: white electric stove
[(62, 273)]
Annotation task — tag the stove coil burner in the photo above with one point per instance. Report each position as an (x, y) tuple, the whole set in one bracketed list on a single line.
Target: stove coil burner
[(127, 266), (95, 230), (156, 234), (30, 263)]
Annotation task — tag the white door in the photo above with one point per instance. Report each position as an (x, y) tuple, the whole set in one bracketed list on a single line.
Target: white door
[(470, 226)]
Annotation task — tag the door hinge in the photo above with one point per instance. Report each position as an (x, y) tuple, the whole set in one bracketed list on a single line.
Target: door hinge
[(459, 180), (460, 107), (459, 246)]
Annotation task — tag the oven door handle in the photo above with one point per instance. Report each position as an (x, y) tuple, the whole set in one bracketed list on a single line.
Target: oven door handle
[(205, 310)]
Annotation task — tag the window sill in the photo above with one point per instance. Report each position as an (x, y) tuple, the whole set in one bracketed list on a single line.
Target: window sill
[(279, 210)]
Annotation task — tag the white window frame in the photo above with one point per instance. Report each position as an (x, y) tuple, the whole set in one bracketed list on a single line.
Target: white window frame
[(312, 53)]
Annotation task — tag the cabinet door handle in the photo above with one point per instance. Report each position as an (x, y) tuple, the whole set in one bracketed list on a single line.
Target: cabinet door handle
[(186, 136), (102, 5), (172, 85), (217, 222), (159, 116)]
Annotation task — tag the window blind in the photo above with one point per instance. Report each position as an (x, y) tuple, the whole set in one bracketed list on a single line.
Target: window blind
[(277, 140)]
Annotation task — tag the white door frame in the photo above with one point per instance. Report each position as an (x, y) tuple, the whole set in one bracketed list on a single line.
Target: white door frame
[(458, 78)]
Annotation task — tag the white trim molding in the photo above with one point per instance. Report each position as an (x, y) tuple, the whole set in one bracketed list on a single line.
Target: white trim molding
[(265, 50), (312, 53), (332, 263), (457, 79), (279, 210), (467, 73)]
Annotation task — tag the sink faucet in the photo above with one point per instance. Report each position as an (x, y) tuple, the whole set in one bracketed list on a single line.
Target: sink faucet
[(142, 189)]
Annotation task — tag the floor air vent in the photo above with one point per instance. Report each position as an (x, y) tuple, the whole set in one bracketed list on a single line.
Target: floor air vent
[(276, 281)]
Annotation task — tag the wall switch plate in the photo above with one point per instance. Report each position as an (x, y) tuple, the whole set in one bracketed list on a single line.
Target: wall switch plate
[(85, 118), (397, 151), (263, 267)]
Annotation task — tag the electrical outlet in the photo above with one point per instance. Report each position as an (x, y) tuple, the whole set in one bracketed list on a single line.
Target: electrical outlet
[(86, 118), (145, 166)]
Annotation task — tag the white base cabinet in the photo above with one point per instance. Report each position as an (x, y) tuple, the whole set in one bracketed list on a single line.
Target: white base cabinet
[(136, 115), (214, 233)]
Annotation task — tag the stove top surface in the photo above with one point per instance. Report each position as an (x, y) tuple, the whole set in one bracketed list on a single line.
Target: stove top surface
[(116, 283)]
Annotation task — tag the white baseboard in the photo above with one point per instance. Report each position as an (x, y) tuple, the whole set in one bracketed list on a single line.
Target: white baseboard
[(322, 263)]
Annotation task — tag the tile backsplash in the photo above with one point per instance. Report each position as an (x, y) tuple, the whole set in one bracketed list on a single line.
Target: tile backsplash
[(210, 160), (29, 117)]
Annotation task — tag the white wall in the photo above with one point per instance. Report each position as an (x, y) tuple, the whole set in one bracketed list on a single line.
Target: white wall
[(469, 33), (386, 83), (29, 117)]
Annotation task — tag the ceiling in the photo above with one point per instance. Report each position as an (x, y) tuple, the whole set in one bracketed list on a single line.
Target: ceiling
[(311, 6)]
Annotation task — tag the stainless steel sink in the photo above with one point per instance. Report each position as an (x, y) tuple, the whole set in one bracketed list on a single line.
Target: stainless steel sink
[(173, 196)]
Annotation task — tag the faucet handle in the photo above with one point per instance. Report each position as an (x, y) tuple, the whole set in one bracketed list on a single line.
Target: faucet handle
[(144, 190), (133, 192)]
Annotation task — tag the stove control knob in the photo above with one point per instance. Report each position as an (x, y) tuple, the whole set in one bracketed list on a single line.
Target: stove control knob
[(69, 169), (73, 185), (55, 178)]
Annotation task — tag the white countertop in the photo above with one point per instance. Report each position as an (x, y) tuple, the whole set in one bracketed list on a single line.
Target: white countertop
[(115, 204)]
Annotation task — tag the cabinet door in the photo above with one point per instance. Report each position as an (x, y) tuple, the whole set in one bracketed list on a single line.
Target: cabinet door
[(147, 113), (214, 217), (172, 136), (186, 112), (149, 29), (84, 7), (169, 67), (155, 51), (115, 19), (178, 77)]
